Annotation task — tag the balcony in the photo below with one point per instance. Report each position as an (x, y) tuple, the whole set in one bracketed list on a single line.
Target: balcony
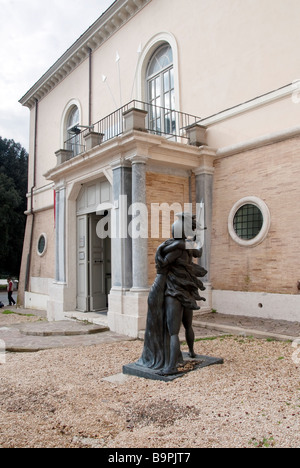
[(136, 115)]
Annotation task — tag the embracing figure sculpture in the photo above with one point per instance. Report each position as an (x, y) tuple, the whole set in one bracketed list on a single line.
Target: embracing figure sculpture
[(173, 298)]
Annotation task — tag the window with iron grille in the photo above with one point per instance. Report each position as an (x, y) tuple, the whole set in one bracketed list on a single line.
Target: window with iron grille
[(248, 222)]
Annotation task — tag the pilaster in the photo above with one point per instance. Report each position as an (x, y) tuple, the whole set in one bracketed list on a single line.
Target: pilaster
[(57, 288), (121, 242), (204, 194), (139, 225), (60, 234)]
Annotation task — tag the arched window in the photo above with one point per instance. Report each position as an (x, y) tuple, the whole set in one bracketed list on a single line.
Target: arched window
[(72, 132), (161, 90)]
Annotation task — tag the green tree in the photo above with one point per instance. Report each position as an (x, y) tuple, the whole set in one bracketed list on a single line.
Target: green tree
[(13, 188)]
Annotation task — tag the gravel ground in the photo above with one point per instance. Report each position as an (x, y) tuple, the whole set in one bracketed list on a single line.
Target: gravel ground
[(14, 317), (57, 398)]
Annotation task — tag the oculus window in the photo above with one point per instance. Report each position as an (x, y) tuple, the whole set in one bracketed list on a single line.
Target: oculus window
[(42, 245), (249, 221)]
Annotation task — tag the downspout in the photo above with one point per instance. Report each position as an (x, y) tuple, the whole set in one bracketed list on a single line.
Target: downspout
[(89, 219), (90, 86), (27, 278)]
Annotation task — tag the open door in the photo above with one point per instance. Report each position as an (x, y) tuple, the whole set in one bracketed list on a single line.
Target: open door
[(93, 265), (97, 264), (82, 263)]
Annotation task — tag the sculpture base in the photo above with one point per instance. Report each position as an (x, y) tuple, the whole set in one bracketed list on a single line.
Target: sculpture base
[(188, 365)]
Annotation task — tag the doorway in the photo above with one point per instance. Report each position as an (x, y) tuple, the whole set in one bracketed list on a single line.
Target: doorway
[(93, 265)]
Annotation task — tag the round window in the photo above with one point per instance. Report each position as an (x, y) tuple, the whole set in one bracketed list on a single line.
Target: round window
[(249, 221), (42, 245)]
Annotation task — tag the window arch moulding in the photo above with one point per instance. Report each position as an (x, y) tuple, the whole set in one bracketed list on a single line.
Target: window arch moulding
[(152, 45), (65, 116)]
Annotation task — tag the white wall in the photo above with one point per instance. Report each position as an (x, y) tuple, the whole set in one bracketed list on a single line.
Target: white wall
[(257, 304)]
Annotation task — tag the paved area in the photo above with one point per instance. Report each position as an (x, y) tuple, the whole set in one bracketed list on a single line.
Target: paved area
[(249, 326), (91, 329), (40, 335), (3, 297)]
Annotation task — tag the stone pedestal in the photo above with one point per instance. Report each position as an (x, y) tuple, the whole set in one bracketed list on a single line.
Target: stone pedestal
[(56, 302), (135, 119), (197, 135), (63, 156), (127, 311), (191, 364), (92, 139)]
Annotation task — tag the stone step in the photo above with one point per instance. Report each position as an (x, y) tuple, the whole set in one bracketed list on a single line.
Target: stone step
[(62, 328), (95, 318)]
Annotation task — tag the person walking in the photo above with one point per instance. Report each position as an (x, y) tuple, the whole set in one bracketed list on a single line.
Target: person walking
[(10, 289)]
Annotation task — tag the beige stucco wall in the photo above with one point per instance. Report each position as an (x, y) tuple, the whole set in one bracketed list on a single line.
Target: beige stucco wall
[(50, 115), (237, 50), (224, 54), (43, 267), (272, 174)]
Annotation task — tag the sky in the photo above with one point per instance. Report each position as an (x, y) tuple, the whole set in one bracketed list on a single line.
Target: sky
[(33, 35)]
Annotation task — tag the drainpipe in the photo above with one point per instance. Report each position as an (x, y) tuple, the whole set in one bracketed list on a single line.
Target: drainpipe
[(27, 278), (90, 86)]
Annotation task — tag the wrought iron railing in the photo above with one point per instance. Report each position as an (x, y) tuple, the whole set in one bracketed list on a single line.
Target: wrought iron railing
[(75, 143), (169, 123)]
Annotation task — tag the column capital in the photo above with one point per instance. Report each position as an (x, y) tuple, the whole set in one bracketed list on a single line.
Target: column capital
[(206, 160), (61, 185), (138, 159), (119, 162)]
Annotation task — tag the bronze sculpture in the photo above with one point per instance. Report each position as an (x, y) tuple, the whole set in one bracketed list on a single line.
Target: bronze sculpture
[(173, 297)]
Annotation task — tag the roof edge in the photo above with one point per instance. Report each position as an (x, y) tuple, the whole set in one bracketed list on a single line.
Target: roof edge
[(118, 14)]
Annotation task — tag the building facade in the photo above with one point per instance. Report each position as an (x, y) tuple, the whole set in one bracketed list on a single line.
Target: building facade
[(163, 106)]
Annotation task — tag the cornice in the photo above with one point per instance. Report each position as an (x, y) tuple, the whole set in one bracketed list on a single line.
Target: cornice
[(118, 14), (291, 90), (259, 142), (123, 149)]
